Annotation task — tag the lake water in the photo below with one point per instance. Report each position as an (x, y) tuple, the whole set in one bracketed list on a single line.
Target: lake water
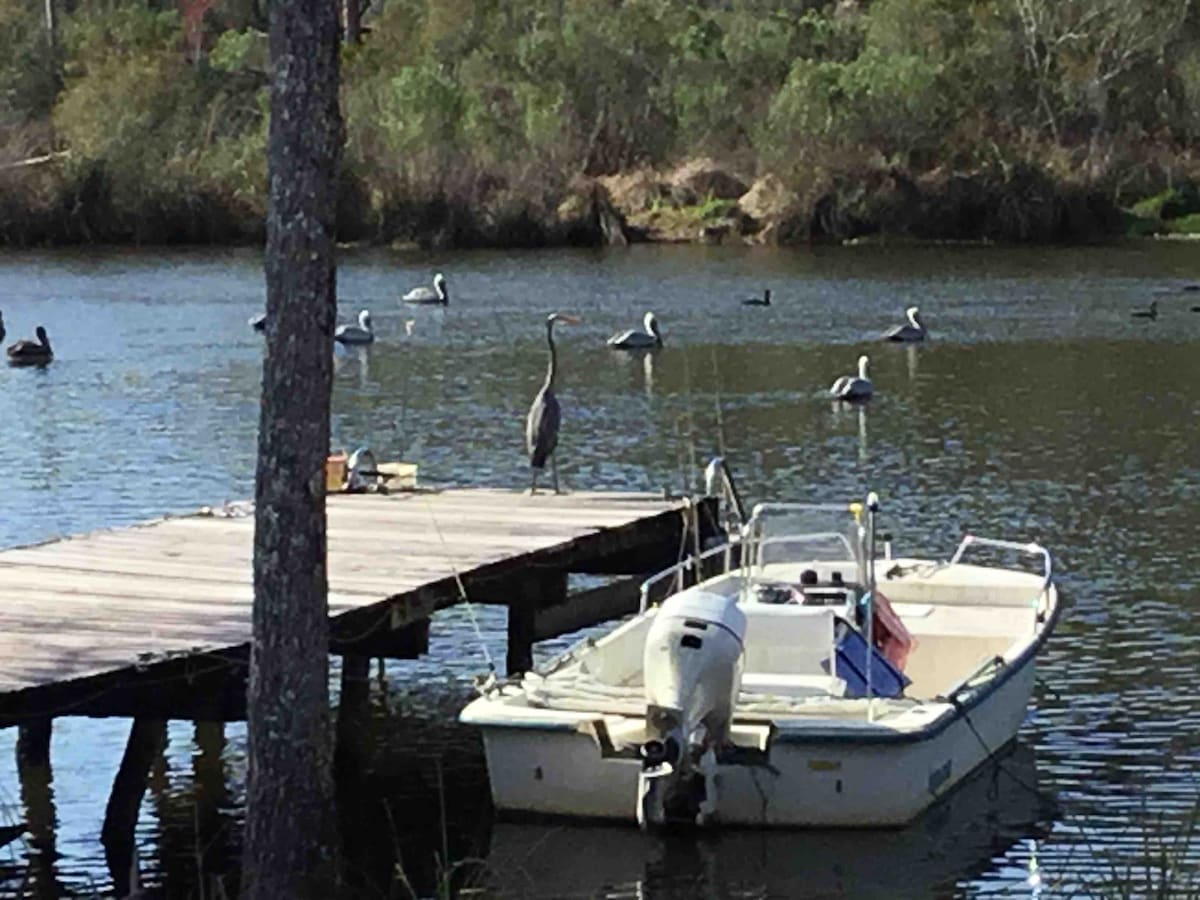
[(1040, 409)]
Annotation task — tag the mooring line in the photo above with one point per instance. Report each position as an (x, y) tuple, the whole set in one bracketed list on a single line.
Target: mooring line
[(462, 590)]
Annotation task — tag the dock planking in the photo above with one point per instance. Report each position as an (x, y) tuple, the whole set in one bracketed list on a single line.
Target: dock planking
[(97, 624)]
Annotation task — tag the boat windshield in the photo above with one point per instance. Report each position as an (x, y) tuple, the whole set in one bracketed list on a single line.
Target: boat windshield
[(794, 532)]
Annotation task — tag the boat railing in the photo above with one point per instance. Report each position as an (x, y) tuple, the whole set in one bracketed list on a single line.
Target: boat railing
[(1029, 549), (681, 568), (982, 674)]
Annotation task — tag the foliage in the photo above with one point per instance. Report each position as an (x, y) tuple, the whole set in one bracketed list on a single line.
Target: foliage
[(467, 120), (1189, 224)]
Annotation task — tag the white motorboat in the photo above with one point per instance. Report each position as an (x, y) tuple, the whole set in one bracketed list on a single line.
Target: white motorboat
[(749, 696)]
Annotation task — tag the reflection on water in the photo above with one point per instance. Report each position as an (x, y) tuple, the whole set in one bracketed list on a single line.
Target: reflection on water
[(1038, 409)]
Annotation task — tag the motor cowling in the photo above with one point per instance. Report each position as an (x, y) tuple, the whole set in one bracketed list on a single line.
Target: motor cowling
[(692, 663)]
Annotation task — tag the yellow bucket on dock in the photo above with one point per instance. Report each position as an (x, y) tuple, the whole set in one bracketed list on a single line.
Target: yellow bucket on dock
[(335, 472)]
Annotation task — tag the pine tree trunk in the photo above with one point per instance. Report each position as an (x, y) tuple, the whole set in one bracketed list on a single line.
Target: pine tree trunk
[(291, 835)]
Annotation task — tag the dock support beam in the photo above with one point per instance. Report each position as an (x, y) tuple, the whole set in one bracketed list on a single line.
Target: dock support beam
[(147, 738), (33, 742), (537, 589), (353, 715)]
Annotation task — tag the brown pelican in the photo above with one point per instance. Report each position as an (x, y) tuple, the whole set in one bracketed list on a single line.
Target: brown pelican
[(851, 388), (638, 340), (1151, 313), (541, 425), (764, 300), (31, 353), (439, 293), (912, 330), (356, 334)]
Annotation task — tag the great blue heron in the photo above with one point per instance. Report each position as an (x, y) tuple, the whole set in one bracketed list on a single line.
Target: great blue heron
[(31, 353), (361, 333), (1151, 313), (639, 340), (912, 330), (764, 300), (541, 425), (850, 388), (439, 293)]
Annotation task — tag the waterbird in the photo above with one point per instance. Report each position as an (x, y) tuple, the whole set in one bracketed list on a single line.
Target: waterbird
[(851, 388), (545, 415), (1151, 313), (912, 330), (1194, 309), (639, 340), (764, 300), (356, 334), (439, 293), (259, 322), (31, 353), (2, 331)]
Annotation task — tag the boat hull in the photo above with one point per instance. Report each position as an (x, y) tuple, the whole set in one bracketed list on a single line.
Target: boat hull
[(809, 775)]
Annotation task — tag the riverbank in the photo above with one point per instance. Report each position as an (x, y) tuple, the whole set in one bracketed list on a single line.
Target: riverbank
[(698, 201)]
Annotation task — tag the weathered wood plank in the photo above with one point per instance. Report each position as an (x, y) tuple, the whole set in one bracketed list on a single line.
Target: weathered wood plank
[(87, 623)]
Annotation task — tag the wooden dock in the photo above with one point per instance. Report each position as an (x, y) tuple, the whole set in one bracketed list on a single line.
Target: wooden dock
[(154, 620)]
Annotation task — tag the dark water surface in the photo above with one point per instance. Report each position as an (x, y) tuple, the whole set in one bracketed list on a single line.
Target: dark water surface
[(1040, 409)]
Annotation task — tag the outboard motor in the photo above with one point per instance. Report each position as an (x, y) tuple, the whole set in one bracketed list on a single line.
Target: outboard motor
[(692, 662)]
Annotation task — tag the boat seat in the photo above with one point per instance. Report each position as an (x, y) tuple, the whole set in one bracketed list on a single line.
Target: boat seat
[(784, 684)]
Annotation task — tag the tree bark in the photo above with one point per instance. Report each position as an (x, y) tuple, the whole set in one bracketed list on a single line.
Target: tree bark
[(291, 834)]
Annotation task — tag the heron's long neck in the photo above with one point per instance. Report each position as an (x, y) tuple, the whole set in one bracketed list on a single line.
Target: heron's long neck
[(552, 365)]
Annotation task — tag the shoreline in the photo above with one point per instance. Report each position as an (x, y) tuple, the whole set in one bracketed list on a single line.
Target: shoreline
[(696, 202)]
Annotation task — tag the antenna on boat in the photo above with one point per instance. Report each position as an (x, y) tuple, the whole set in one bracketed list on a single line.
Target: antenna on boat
[(872, 511)]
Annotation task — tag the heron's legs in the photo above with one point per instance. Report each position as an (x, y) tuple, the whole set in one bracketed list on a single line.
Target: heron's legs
[(533, 481), (554, 474)]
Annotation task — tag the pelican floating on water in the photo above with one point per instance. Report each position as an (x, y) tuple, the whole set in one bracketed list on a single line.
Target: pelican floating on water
[(356, 334), (639, 340), (852, 388), (912, 330), (31, 353), (439, 293)]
